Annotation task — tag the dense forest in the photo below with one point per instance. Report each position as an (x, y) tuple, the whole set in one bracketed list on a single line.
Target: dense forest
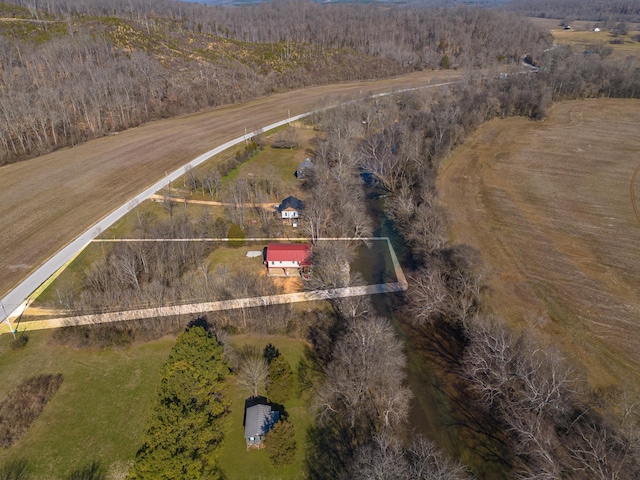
[(73, 71)]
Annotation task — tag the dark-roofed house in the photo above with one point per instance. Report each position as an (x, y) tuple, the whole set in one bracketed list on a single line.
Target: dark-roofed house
[(305, 169), (290, 208), (258, 420), (284, 259)]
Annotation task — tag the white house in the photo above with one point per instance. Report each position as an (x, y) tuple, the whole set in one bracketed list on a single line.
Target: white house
[(290, 208)]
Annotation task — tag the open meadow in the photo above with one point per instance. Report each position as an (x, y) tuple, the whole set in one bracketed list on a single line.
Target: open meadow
[(582, 37), (98, 414), (550, 207), (104, 404)]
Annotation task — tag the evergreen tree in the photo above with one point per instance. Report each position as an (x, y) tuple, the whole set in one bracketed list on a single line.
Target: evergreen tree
[(270, 352), (280, 381), (236, 236), (185, 431), (281, 444)]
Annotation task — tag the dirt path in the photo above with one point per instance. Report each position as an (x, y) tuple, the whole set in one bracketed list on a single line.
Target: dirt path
[(47, 201), (200, 308), (547, 204), (290, 296), (162, 198)]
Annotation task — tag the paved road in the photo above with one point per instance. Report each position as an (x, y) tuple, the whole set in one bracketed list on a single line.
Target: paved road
[(14, 303), (19, 295)]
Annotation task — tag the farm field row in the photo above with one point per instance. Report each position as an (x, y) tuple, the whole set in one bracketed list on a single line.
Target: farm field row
[(549, 206)]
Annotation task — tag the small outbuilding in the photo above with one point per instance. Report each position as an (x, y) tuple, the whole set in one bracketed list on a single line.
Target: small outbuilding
[(259, 418), (285, 259)]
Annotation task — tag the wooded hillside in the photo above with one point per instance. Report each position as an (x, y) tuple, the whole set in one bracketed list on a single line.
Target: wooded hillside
[(74, 71)]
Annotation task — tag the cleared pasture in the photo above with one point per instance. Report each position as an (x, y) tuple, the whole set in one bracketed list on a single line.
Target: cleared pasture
[(582, 36), (549, 206), (586, 41), (47, 201), (100, 411)]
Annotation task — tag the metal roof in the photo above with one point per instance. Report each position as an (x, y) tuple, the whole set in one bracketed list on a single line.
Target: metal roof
[(289, 252), (259, 420)]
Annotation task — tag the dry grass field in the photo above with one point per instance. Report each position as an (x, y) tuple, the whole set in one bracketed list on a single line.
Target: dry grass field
[(585, 40), (549, 206), (582, 37), (47, 201)]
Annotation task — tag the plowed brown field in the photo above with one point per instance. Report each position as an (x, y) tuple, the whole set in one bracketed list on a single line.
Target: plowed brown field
[(47, 201), (549, 206)]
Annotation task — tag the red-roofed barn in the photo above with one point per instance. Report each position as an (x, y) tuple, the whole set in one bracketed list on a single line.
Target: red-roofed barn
[(284, 259)]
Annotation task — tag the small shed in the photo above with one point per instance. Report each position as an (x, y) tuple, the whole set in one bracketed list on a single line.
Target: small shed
[(259, 418), (285, 259), (305, 169), (290, 208)]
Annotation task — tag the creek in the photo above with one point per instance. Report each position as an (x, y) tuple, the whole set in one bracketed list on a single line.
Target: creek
[(440, 410)]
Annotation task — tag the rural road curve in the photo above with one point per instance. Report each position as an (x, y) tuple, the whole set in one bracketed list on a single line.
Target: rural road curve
[(48, 205)]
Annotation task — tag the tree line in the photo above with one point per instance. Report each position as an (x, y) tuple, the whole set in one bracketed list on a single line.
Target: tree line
[(548, 424), (415, 34)]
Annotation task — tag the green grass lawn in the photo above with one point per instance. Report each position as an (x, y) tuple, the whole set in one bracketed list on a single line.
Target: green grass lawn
[(100, 411), (72, 276), (235, 460)]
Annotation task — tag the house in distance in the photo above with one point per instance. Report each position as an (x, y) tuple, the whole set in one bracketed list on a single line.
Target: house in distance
[(285, 259), (305, 169)]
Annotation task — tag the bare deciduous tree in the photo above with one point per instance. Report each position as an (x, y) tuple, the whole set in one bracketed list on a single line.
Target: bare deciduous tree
[(449, 289), (253, 370), (528, 385), (386, 458), (366, 375)]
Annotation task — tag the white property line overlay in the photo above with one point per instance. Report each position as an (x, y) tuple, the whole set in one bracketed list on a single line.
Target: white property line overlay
[(17, 299), (206, 307)]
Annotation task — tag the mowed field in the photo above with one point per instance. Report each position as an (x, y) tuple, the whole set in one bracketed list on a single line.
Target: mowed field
[(549, 206), (47, 201)]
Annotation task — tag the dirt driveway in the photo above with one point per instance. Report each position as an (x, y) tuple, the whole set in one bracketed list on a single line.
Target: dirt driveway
[(548, 205), (47, 201)]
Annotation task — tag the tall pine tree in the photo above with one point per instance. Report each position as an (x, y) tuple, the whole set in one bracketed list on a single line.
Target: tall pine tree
[(185, 431)]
